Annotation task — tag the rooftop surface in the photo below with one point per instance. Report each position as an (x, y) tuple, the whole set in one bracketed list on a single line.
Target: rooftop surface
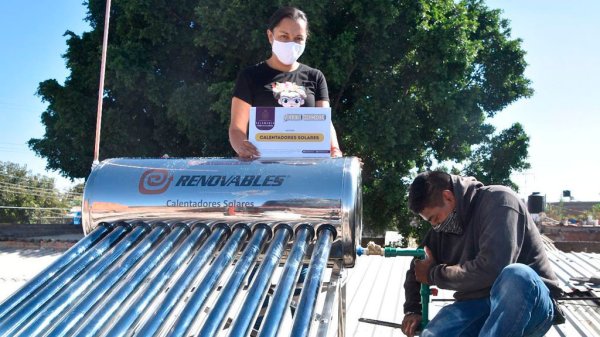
[(375, 288)]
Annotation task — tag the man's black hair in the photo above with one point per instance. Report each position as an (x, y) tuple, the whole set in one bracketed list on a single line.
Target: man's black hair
[(287, 12), (426, 190)]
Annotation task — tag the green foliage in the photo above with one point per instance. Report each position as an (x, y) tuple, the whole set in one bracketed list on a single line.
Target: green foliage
[(25, 198), (500, 155), (595, 211), (410, 82), (74, 196), (556, 212), (157, 95)]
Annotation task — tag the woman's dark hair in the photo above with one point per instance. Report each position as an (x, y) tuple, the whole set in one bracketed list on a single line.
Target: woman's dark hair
[(287, 12), (426, 190)]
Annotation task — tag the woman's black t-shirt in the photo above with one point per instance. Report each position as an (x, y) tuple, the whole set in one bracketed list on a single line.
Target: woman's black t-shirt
[(262, 86)]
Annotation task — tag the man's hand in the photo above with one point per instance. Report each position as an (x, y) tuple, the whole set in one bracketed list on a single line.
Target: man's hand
[(410, 323), (422, 266)]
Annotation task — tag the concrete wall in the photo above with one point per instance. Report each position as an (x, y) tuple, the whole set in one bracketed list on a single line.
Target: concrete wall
[(574, 238), (571, 233)]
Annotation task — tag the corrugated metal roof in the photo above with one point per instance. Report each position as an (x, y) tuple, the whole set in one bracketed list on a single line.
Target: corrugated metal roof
[(572, 270), (375, 290)]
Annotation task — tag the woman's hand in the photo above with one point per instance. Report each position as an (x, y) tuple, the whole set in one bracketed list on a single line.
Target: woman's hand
[(245, 149), (238, 129), (336, 152), (334, 146)]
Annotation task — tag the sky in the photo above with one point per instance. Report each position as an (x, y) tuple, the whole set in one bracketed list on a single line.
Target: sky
[(31, 49), (562, 118)]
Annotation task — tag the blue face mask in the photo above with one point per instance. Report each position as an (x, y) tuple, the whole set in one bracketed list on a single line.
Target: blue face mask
[(450, 225)]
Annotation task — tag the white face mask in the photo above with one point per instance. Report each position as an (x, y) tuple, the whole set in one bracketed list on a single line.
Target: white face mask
[(287, 52)]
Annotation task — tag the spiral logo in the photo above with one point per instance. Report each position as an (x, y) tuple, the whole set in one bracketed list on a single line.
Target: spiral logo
[(155, 181)]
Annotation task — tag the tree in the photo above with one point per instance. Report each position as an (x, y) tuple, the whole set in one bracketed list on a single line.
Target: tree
[(156, 98), (73, 197), (410, 82), (27, 198), (500, 155)]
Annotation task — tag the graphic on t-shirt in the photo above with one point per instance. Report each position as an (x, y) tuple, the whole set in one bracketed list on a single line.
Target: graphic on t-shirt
[(288, 94)]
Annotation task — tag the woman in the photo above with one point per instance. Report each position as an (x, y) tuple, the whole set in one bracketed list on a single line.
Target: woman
[(278, 81)]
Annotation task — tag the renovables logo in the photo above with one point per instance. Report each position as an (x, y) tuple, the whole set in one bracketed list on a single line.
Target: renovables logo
[(234, 180), (154, 181), (157, 181)]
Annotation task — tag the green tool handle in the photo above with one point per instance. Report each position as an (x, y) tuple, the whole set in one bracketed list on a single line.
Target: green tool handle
[(425, 290), (392, 251)]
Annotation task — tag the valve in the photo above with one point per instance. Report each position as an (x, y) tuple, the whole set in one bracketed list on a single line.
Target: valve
[(426, 291)]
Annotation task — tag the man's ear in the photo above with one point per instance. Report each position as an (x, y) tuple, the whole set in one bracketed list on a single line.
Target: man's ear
[(448, 196), (270, 36)]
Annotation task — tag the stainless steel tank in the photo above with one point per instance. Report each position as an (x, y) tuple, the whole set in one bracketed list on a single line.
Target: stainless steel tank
[(315, 191)]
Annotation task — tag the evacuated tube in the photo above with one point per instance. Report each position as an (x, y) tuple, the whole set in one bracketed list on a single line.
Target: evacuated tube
[(283, 293), (36, 301), (134, 311), (218, 314), (110, 304), (256, 294), (310, 291), (206, 286), (69, 256), (66, 300), (173, 296)]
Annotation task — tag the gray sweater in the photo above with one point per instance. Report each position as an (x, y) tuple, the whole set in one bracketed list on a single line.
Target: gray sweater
[(497, 231)]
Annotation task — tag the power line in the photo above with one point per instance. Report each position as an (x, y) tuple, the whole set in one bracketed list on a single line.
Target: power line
[(6, 149), (26, 177), (53, 191), (48, 212), (37, 208), (71, 199), (9, 143), (47, 189), (4, 144), (13, 150), (24, 191), (21, 190)]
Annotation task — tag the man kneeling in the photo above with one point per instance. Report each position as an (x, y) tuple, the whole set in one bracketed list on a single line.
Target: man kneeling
[(485, 246)]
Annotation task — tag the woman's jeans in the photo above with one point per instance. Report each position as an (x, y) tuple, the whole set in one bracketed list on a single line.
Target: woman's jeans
[(519, 305)]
